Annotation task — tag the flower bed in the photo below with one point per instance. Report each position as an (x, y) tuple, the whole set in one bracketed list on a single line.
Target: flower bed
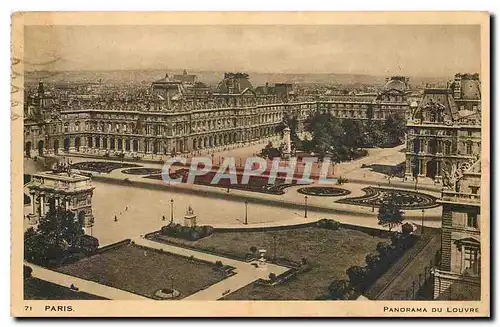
[(142, 171), (255, 183), (375, 196), (101, 166), (323, 191)]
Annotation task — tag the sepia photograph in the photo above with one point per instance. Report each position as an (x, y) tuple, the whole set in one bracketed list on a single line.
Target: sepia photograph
[(266, 164)]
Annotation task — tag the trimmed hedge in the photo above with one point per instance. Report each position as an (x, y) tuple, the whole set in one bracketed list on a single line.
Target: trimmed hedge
[(187, 233), (328, 224)]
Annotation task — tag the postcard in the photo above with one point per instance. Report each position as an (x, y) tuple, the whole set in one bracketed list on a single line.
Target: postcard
[(250, 164)]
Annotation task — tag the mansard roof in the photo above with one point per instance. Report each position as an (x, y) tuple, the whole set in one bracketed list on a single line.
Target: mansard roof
[(438, 99), (235, 83)]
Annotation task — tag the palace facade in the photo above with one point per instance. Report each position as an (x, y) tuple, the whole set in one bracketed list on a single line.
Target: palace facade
[(180, 115), (458, 277), (444, 131)]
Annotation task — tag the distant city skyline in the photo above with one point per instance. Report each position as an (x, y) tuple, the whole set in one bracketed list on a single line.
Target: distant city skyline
[(421, 51)]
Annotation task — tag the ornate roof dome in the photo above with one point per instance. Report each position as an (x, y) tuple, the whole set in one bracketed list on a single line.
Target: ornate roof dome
[(396, 84)]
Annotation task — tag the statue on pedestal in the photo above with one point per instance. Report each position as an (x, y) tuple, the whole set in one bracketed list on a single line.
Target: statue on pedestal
[(286, 143), (190, 217)]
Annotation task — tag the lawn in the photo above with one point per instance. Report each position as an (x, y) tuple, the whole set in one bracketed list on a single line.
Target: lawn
[(144, 271), (328, 252), (37, 289)]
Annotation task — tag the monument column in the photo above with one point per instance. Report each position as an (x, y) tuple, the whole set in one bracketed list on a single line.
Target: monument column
[(42, 205), (33, 202), (287, 147)]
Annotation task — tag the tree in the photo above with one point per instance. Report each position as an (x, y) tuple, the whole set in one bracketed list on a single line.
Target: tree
[(270, 152), (58, 235), (395, 127), (356, 275), (253, 249), (384, 249), (406, 229), (338, 289), (372, 259), (390, 214), (293, 123), (61, 228), (354, 131)]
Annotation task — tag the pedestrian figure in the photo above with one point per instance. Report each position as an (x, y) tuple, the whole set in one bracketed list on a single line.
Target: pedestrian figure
[(116, 218), (163, 217), (126, 208)]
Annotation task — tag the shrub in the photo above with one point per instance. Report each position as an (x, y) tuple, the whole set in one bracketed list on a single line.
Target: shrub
[(406, 229), (88, 244), (384, 249), (253, 249), (218, 264), (328, 224), (199, 230), (408, 241), (209, 230), (339, 289), (272, 277), (356, 275), (372, 260), (395, 239), (194, 235), (188, 233)]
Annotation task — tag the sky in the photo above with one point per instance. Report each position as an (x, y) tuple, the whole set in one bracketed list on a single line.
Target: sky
[(411, 50)]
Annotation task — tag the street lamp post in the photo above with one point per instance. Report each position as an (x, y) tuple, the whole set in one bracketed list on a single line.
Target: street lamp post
[(274, 247), (246, 213), (171, 210), (305, 208), (423, 211)]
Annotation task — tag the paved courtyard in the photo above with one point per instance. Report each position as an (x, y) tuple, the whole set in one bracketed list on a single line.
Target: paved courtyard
[(140, 205), (139, 210)]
